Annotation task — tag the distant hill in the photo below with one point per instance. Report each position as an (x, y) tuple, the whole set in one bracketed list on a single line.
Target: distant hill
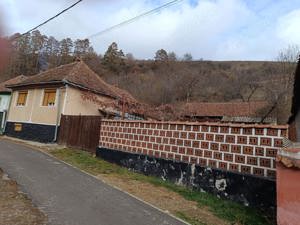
[(158, 83), (173, 82), (161, 81)]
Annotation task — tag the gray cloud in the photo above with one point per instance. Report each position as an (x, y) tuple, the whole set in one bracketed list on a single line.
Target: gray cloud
[(219, 29)]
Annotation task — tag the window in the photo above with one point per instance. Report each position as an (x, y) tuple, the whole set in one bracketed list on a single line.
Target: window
[(49, 97), (22, 96)]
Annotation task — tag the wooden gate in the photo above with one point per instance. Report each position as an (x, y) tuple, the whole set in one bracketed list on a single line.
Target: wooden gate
[(81, 132)]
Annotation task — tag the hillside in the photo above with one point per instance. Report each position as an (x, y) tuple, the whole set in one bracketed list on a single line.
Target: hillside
[(169, 82), (165, 80), (175, 82)]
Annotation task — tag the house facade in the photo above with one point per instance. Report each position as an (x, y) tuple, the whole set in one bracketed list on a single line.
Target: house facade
[(4, 104), (5, 96), (73, 89)]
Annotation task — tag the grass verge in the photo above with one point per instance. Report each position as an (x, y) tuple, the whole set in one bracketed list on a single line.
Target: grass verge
[(230, 211), (192, 221)]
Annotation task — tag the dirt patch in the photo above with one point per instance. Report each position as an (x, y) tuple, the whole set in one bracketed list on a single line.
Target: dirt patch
[(15, 207), (163, 199)]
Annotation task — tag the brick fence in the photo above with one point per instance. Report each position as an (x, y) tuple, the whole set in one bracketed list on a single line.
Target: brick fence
[(247, 149)]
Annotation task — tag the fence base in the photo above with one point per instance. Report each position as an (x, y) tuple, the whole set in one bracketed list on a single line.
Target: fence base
[(246, 189)]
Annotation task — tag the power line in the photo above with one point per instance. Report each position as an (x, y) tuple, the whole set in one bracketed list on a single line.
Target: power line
[(135, 18), (48, 20)]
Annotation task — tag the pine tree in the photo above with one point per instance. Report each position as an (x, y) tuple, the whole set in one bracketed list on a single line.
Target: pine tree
[(66, 50), (172, 56), (81, 47), (114, 58), (161, 55), (187, 57), (52, 50)]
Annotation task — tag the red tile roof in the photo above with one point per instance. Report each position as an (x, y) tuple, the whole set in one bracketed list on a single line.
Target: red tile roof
[(12, 81), (76, 74)]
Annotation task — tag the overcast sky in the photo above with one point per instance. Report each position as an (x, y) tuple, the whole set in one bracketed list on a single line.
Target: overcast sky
[(208, 29)]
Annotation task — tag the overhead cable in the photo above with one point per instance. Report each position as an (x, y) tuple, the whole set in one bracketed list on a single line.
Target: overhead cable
[(152, 11), (48, 20)]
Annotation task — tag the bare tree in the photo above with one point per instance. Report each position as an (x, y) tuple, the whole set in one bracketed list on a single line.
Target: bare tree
[(172, 56), (289, 54), (129, 56), (187, 57), (243, 86), (279, 88)]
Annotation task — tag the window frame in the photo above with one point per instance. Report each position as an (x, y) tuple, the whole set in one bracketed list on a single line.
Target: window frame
[(17, 99), (43, 97)]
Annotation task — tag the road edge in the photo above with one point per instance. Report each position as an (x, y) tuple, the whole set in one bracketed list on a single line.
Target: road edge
[(33, 147)]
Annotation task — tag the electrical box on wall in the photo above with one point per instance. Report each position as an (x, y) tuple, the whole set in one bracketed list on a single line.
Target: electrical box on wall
[(18, 127)]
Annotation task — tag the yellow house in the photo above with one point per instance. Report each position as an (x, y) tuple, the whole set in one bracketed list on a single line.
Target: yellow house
[(73, 89)]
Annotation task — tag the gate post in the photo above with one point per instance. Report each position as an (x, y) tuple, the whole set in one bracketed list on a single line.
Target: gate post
[(288, 186)]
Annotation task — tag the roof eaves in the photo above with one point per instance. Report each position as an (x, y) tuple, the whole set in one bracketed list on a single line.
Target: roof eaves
[(5, 92), (30, 84), (64, 81), (88, 89)]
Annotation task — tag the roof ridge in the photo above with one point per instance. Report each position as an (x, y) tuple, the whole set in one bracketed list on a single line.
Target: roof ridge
[(76, 65), (54, 68)]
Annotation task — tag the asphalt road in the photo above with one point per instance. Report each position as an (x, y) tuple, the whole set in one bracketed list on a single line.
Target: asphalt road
[(70, 197)]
